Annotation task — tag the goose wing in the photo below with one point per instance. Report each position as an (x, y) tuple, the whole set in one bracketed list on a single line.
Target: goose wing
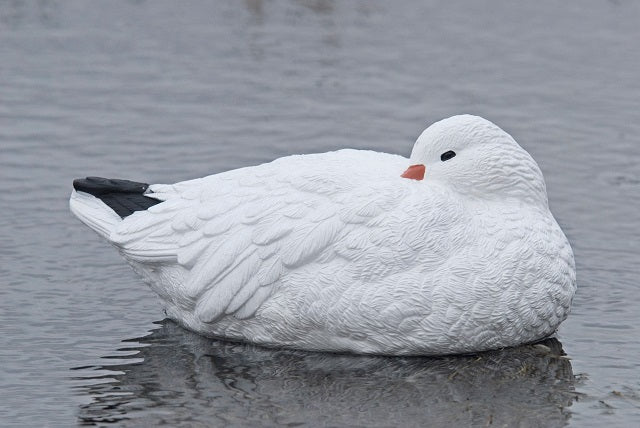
[(237, 234)]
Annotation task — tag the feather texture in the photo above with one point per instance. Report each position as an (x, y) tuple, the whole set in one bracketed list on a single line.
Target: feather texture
[(337, 251)]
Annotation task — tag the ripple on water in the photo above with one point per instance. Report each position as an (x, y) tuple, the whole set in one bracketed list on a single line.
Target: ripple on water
[(175, 375), (154, 91)]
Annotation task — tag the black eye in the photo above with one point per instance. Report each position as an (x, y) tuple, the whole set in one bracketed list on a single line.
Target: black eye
[(447, 155)]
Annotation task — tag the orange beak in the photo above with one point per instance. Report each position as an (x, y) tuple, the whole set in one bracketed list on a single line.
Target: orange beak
[(414, 172)]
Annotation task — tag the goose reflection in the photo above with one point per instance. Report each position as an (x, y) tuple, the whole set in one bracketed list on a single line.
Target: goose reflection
[(188, 379)]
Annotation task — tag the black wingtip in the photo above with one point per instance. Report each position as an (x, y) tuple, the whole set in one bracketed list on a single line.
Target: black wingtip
[(97, 186), (122, 196)]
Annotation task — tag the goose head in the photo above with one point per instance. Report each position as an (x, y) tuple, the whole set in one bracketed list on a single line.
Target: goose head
[(476, 158)]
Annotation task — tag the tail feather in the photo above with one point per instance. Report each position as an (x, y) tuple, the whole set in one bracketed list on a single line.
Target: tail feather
[(124, 197), (94, 213)]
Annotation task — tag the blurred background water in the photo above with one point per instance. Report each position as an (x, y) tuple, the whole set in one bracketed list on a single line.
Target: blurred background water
[(165, 91)]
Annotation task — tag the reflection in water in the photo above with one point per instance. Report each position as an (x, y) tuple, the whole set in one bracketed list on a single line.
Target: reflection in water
[(17, 13), (188, 378)]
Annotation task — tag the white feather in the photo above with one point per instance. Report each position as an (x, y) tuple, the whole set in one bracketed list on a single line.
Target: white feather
[(337, 252)]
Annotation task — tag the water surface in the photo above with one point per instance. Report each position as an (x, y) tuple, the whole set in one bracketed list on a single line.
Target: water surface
[(161, 92)]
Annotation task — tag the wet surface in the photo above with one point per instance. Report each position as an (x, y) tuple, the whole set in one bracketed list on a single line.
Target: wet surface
[(182, 373), (159, 92)]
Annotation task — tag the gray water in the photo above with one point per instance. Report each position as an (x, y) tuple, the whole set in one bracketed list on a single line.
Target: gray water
[(166, 91)]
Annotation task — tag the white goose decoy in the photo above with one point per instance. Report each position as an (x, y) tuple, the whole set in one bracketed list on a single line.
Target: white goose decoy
[(342, 251)]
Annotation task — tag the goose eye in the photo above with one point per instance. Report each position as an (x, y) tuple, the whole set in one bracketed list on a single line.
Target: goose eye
[(447, 155)]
